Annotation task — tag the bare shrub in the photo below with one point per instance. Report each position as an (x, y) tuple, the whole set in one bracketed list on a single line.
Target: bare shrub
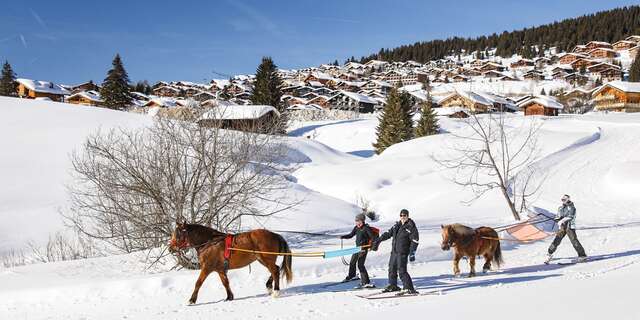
[(490, 154), (131, 186), (13, 258), (64, 248)]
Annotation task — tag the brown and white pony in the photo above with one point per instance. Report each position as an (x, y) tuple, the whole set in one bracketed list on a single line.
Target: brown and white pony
[(211, 246), (469, 242)]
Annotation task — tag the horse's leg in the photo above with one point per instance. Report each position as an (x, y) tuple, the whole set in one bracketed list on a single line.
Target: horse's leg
[(270, 263), (456, 261), (225, 283), (472, 266), (269, 283), (204, 272), (488, 257)]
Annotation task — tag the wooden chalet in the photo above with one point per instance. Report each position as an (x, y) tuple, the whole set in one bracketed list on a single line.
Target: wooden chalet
[(598, 44), (576, 77), (533, 75), (522, 63), (602, 53), (345, 100), (579, 49), (33, 89), (618, 96), (87, 86), (541, 106), (466, 99), (166, 91), (492, 66), (87, 98), (569, 58), (606, 71), (581, 63), (633, 38), (624, 45), (252, 118)]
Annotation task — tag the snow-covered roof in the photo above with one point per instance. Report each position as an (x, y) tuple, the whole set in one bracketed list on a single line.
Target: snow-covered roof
[(43, 86), (546, 101), (445, 112), (162, 102), (237, 112), (305, 107), (90, 95), (316, 84), (469, 95), (621, 85), (359, 97)]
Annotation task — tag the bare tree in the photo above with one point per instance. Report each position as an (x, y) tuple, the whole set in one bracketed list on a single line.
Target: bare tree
[(131, 186), (489, 153)]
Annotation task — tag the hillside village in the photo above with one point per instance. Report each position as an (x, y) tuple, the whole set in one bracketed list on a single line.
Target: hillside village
[(590, 77)]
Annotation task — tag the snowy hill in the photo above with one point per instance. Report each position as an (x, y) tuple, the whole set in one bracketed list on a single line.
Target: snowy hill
[(591, 157)]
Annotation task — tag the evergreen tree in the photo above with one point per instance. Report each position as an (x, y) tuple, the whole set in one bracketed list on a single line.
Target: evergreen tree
[(428, 123), (267, 90), (115, 89), (634, 71), (7, 81), (393, 125)]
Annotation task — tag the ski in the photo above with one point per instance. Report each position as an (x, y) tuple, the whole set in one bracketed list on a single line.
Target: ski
[(385, 295), (339, 283)]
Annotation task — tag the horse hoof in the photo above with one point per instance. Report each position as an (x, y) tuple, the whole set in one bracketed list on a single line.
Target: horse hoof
[(275, 293), (269, 291), (471, 275), (191, 302), (229, 299)]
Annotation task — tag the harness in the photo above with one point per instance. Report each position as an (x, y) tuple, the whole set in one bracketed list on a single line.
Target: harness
[(228, 243)]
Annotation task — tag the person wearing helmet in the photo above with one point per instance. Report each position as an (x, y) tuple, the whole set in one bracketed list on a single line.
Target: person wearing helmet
[(364, 235), (565, 218), (403, 249)]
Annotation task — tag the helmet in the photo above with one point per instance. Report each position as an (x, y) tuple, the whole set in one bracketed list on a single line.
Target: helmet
[(360, 217)]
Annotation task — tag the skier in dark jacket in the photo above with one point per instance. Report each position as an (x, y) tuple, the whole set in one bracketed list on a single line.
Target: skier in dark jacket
[(403, 249), (363, 234)]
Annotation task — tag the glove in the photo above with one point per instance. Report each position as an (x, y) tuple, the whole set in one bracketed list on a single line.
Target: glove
[(375, 244), (412, 256)]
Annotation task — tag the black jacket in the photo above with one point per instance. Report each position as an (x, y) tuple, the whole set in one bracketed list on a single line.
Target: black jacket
[(405, 237), (363, 235)]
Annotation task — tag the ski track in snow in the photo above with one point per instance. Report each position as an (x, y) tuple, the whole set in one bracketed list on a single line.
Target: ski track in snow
[(586, 156)]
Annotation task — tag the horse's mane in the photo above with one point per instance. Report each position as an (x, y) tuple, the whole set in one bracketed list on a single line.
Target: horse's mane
[(465, 233), (205, 231)]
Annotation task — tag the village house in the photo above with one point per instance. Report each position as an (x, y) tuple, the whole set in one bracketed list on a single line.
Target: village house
[(533, 75), (576, 77), (541, 106), (166, 91), (492, 66), (345, 100), (251, 118), (33, 89), (383, 86), (579, 49), (522, 63), (598, 44), (623, 45), (87, 86), (87, 98), (606, 71), (618, 96), (466, 99), (569, 58), (582, 63), (602, 53), (633, 38)]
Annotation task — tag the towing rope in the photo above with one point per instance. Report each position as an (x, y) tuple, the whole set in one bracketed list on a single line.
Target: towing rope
[(320, 254)]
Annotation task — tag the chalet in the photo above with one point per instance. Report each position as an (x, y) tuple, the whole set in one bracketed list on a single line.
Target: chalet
[(633, 52), (577, 93), (466, 99), (383, 86), (606, 71), (492, 66), (459, 78), (320, 77), (541, 62), (582, 63), (324, 91), (477, 63), (533, 75), (166, 91), (163, 102), (376, 65), (353, 65), (492, 74), (452, 112), (602, 53), (618, 96), (33, 89), (352, 86), (576, 78), (322, 101), (139, 96), (579, 49), (203, 96), (252, 118), (598, 44), (309, 95), (87, 86), (522, 63), (633, 38), (569, 58), (623, 45), (541, 106), (87, 98), (345, 100)]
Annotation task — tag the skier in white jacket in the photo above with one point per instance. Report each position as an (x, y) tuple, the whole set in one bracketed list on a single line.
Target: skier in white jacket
[(566, 217)]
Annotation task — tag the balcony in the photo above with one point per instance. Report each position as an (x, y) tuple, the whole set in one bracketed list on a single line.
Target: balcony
[(628, 107)]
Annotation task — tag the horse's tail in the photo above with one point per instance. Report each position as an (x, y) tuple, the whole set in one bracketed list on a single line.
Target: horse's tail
[(285, 268), (497, 255)]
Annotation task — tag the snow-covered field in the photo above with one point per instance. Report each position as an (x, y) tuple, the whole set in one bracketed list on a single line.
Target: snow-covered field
[(594, 158)]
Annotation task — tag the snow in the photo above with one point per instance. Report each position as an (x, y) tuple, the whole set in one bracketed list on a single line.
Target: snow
[(43, 86), (586, 156), (91, 95), (546, 101), (359, 97), (622, 85)]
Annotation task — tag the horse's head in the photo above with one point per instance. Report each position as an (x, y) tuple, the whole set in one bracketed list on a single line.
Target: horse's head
[(448, 237), (179, 238)]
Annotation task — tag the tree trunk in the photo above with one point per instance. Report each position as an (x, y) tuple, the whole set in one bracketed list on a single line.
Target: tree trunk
[(512, 206)]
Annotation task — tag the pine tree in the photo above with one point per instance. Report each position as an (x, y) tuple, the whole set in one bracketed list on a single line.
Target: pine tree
[(393, 125), (428, 123), (267, 90), (7, 81), (115, 89), (634, 71)]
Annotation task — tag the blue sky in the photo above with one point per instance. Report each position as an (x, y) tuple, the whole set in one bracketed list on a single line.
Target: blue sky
[(74, 41)]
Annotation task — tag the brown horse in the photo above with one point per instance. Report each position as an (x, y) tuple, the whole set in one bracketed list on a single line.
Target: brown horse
[(211, 247), (469, 242)]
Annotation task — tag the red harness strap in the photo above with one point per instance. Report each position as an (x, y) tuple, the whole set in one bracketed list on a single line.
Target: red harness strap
[(228, 240)]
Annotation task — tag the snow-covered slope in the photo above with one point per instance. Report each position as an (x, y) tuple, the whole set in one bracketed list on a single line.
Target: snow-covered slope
[(592, 157)]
